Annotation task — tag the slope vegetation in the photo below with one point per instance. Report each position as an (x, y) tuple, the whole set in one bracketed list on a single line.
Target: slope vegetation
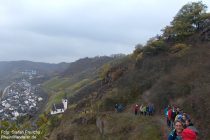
[(172, 68)]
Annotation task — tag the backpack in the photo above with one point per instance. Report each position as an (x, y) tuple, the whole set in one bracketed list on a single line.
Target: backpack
[(189, 134)]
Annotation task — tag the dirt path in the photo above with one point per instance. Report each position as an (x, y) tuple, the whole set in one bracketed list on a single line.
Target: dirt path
[(164, 129)]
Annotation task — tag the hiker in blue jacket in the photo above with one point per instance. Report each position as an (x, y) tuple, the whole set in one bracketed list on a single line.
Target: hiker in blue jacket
[(177, 132)]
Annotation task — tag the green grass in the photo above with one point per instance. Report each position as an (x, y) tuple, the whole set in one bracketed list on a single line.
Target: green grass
[(57, 84), (117, 126), (127, 126), (79, 84), (57, 88)]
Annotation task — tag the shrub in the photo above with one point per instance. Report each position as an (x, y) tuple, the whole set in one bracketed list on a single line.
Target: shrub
[(116, 74), (108, 104), (149, 50), (139, 57), (55, 121), (104, 70), (180, 49), (42, 120), (138, 50), (155, 47)]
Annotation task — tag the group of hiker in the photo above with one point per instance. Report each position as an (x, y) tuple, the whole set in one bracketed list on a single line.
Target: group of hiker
[(146, 110), (177, 120), (180, 124)]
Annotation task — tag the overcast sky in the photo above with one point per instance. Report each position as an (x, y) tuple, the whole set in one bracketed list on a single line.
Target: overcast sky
[(66, 30)]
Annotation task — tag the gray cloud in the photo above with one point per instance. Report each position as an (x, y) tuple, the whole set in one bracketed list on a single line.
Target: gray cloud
[(63, 30)]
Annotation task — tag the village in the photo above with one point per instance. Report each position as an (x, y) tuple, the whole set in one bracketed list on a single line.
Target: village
[(19, 99)]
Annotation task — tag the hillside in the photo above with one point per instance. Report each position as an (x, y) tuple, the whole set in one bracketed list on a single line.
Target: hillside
[(166, 78), (80, 75), (86, 65), (172, 68)]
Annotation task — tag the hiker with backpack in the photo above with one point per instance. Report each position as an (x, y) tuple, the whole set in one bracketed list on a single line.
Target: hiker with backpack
[(147, 110), (141, 109), (173, 116), (153, 108), (170, 118), (166, 115), (190, 132), (188, 123), (179, 115), (136, 109), (150, 110), (184, 118), (144, 110)]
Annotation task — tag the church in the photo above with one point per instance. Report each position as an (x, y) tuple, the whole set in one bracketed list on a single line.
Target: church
[(59, 108)]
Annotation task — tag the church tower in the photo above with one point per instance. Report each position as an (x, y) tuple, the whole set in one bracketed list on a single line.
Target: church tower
[(65, 103)]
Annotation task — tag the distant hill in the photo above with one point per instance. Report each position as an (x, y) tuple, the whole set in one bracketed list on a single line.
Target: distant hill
[(18, 66), (86, 64), (9, 70)]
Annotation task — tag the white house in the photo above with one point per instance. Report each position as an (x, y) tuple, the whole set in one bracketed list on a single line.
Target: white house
[(15, 113), (6, 105), (59, 108), (11, 108), (40, 99), (26, 102)]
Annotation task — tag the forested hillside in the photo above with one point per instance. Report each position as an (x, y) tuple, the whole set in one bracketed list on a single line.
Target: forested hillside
[(172, 68)]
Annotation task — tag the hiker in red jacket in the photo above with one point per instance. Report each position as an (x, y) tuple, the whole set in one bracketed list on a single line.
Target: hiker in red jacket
[(189, 134), (136, 109), (170, 117)]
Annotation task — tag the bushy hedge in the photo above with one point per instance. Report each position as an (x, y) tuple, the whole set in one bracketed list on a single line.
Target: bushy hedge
[(155, 47)]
